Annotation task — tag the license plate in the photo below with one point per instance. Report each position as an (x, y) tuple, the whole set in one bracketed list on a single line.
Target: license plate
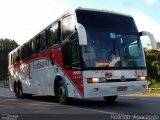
[(122, 88)]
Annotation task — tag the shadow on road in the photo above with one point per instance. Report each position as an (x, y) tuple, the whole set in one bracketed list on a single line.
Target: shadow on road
[(89, 103)]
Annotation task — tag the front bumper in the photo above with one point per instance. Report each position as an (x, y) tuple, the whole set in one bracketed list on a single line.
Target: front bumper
[(111, 89)]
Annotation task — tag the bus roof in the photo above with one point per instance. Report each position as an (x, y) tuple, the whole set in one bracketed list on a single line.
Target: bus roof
[(69, 12), (106, 11)]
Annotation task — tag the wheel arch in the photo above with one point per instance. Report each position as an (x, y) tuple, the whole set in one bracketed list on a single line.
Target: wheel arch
[(59, 78)]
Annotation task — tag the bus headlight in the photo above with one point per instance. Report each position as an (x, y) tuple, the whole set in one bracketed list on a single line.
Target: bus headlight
[(96, 80), (141, 78)]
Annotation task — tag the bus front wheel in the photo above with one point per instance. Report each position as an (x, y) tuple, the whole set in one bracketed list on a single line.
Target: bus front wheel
[(110, 99), (62, 93)]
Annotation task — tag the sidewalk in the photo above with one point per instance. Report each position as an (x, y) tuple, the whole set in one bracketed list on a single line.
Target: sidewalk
[(4, 84), (148, 98), (145, 94)]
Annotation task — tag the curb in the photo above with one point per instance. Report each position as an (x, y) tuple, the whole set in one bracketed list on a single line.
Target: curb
[(4, 86)]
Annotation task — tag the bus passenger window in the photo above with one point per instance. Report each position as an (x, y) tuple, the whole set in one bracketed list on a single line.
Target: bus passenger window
[(18, 56), (33, 46), (26, 50), (68, 26), (37, 44), (71, 57), (43, 40), (75, 52), (54, 38), (66, 48), (14, 57)]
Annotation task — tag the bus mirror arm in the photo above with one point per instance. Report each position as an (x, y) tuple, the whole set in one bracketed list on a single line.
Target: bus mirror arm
[(152, 39), (81, 34)]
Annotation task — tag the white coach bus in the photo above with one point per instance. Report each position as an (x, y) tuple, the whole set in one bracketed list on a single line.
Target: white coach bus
[(85, 53)]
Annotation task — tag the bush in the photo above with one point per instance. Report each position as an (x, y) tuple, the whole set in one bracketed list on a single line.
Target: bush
[(153, 67), (154, 83)]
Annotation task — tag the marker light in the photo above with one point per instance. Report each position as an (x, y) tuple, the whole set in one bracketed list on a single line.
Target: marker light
[(141, 78), (96, 80)]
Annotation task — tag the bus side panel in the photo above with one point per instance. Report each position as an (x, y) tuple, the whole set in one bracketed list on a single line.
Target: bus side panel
[(37, 75), (11, 79), (73, 87), (72, 77)]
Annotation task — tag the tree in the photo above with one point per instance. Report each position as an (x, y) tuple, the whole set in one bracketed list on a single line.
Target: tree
[(153, 66), (6, 45)]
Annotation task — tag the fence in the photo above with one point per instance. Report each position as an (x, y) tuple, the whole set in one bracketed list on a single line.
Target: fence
[(153, 90)]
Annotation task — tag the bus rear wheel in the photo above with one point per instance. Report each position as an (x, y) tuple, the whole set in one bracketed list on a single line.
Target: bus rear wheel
[(62, 93), (18, 90), (110, 99)]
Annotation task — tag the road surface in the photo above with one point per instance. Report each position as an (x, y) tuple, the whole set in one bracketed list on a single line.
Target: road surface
[(45, 108)]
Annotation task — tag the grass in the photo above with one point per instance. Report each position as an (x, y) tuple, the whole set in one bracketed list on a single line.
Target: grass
[(145, 94)]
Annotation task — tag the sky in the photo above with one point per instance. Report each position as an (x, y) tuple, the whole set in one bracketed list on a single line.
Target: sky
[(20, 20)]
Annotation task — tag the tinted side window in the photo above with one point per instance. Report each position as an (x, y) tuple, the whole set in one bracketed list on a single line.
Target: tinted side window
[(75, 52), (71, 57), (54, 34), (67, 55), (26, 51), (18, 55), (33, 46), (68, 26), (43, 40), (15, 56), (37, 44)]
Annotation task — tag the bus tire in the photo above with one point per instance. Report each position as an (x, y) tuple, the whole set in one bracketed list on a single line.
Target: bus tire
[(20, 93), (19, 90), (16, 89), (62, 93), (110, 99)]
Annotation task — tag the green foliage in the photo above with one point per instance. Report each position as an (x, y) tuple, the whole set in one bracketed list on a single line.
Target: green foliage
[(154, 83), (6, 45), (153, 67)]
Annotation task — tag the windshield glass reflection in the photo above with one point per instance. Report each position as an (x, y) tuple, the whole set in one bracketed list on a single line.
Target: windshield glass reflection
[(109, 49)]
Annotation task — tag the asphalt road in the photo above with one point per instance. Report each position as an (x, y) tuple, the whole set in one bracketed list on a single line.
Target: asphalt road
[(46, 108)]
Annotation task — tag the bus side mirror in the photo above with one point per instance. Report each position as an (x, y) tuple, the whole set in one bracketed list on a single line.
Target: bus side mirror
[(81, 34), (151, 37)]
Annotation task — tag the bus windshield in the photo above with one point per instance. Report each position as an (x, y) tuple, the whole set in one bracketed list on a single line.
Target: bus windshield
[(111, 49)]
